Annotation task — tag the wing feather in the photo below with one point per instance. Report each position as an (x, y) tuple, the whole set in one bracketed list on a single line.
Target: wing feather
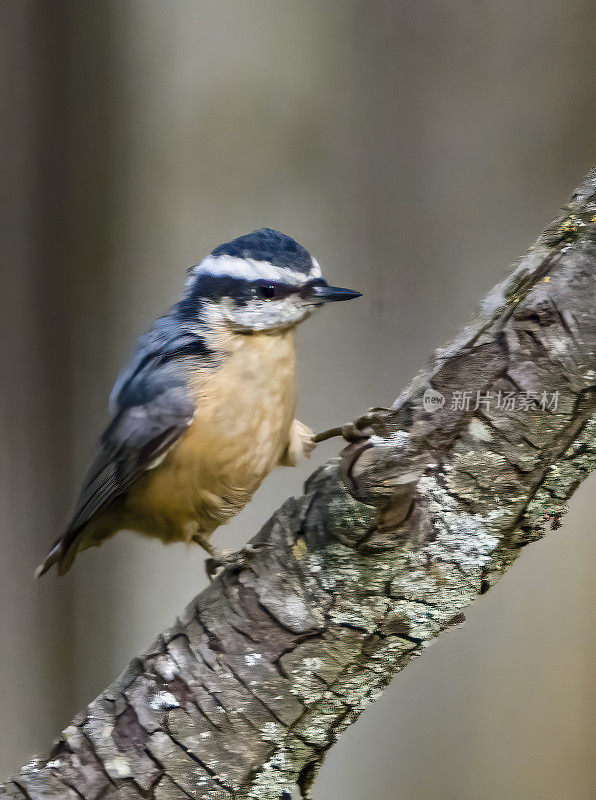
[(152, 410), (130, 445)]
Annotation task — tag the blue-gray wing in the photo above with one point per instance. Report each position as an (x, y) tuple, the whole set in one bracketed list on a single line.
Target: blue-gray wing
[(152, 410), (136, 438)]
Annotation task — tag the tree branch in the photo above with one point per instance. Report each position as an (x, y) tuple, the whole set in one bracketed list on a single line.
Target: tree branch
[(243, 697)]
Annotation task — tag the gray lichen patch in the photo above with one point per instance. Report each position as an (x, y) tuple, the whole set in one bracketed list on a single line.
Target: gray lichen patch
[(343, 517), (280, 772), (546, 508), (462, 538)]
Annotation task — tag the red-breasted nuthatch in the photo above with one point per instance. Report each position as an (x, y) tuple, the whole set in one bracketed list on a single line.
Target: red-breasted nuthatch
[(204, 409)]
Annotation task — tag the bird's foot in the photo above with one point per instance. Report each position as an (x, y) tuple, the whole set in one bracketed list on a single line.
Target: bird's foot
[(308, 440), (302, 443), (225, 559)]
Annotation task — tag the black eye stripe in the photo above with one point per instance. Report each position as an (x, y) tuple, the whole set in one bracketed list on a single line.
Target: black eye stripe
[(240, 290), (214, 287), (272, 290)]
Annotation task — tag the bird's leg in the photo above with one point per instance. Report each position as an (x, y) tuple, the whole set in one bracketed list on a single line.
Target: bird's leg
[(225, 559), (329, 434), (216, 556), (221, 559), (195, 534), (202, 538)]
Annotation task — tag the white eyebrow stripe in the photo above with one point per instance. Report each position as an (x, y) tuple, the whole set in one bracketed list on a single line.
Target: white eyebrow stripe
[(250, 269), (315, 270)]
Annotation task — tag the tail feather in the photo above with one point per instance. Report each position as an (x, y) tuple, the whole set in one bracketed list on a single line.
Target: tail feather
[(65, 549), (62, 554), (53, 557)]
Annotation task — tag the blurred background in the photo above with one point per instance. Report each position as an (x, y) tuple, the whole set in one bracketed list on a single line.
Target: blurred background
[(416, 148)]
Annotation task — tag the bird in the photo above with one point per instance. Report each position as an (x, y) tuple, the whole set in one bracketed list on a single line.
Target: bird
[(205, 406)]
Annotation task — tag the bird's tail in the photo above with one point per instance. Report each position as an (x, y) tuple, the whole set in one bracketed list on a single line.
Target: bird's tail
[(62, 554), (52, 558)]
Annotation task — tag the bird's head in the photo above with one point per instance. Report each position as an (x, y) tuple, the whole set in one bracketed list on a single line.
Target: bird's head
[(261, 282)]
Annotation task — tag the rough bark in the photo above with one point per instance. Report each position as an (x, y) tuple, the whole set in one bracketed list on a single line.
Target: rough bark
[(426, 509)]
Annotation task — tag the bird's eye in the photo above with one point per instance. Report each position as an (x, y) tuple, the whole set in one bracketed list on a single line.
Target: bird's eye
[(266, 292)]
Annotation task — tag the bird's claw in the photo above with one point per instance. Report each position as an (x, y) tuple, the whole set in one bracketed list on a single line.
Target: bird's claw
[(226, 559), (309, 443)]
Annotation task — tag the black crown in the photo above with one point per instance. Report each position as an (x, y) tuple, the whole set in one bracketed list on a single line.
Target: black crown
[(266, 244)]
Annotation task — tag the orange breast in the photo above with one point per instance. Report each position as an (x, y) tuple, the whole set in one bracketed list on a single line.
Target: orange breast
[(239, 432)]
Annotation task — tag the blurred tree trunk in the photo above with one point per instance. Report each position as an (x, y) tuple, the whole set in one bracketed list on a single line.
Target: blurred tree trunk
[(55, 179)]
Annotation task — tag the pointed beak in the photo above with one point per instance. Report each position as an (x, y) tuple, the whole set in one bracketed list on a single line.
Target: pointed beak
[(331, 294)]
